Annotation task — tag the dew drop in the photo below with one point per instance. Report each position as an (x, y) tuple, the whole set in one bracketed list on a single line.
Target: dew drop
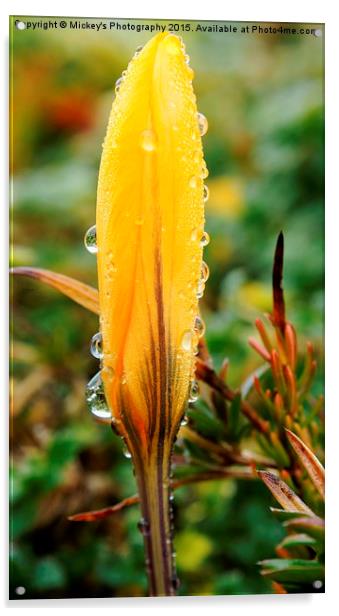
[(194, 235), (126, 453), (96, 346), (205, 272), (199, 326), (90, 240), (194, 392), (187, 340), (193, 182), (184, 421), (144, 526), (118, 84), (138, 50), (148, 141), (95, 397), (205, 239), (206, 193), (204, 171), (201, 289), (203, 124)]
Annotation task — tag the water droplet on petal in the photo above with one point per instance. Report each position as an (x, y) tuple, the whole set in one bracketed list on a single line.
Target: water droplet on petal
[(118, 84), (194, 392), (148, 141), (204, 172), (96, 346), (203, 124), (184, 421), (205, 272), (187, 340), (126, 453), (194, 235), (90, 240), (205, 239), (138, 50), (193, 182), (95, 397), (199, 326), (206, 193), (201, 289)]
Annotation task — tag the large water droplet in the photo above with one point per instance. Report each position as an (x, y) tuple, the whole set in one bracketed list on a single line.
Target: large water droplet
[(187, 340), (148, 140), (199, 326), (90, 240), (126, 452), (205, 272), (194, 392), (205, 239), (96, 346), (203, 124), (206, 193), (95, 397)]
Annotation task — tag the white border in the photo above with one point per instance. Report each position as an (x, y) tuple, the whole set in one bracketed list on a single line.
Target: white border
[(251, 10)]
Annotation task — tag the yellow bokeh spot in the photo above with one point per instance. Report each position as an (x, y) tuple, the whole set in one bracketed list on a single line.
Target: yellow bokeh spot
[(192, 549), (226, 196), (256, 295)]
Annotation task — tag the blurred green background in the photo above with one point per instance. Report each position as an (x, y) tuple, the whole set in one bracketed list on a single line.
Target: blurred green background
[(263, 97)]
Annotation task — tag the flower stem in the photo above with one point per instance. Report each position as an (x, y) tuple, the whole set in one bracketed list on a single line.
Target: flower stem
[(154, 492)]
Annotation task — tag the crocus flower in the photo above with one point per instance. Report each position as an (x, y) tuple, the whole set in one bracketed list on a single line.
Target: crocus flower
[(150, 237)]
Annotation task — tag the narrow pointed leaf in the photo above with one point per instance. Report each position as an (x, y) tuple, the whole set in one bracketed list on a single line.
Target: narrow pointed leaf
[(278, 293), (284, 495), (295, 570), (296, 540), (283, 515), (309, 461), (79, 292), (313, 526)]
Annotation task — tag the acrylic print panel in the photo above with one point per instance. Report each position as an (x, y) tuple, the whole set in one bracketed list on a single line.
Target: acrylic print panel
[(211, 376)]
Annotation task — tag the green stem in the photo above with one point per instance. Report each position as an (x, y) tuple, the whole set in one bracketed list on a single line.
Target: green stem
[(154, 492)]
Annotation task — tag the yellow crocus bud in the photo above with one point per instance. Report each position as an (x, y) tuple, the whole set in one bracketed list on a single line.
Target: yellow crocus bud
[(150, 237)]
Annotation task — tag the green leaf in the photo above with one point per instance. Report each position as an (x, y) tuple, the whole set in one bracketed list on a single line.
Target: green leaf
[(297, 540), (284, 515), (313, 526), (292, 570)]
